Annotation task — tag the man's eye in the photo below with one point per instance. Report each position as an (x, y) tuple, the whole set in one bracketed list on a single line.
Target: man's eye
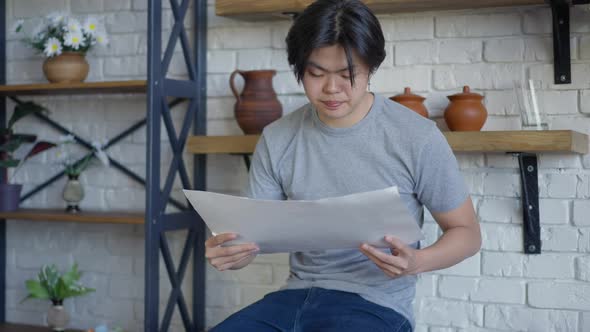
[(315, 74)]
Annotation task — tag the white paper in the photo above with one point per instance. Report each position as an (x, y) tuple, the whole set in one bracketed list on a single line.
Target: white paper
[(330, 223)]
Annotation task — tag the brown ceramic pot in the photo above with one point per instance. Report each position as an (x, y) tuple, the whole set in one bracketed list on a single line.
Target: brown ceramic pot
[(68, 67), (466, 111), (257, 105), (411, 101)]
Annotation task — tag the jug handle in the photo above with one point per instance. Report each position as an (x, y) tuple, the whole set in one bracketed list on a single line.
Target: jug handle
[(232, 85)]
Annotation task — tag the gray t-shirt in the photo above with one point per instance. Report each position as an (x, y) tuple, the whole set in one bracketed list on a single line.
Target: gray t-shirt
[(299, 157)]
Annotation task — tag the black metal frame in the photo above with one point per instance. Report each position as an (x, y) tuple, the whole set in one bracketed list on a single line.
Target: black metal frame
[(530, 203), (157, 222)]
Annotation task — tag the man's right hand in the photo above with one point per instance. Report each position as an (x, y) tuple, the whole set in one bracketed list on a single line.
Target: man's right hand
[(230, 257)]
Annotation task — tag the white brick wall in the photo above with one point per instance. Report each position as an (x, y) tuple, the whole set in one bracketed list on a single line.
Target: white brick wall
[(499, 289)]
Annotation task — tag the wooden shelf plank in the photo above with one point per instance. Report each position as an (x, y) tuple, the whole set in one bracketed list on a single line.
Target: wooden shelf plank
[(274, 9), (222, 144), (81, 217), (137, 86), (12, 327), (473, 141)]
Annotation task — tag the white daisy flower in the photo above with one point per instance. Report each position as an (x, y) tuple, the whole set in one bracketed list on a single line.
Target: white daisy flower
[(52, 47), (18, 25), (74, 40), (101, 38), (91, 26), (39, 31), (56, 18), (73, 25)]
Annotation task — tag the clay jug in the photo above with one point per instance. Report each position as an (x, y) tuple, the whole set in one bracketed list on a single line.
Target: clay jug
[(411, 101), (466, 111), (257, 105)]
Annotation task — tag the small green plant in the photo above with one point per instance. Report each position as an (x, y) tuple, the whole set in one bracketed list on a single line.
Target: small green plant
[(50, 285)]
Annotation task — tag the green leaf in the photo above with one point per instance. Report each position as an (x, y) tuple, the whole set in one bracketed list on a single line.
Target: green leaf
[(23, 109), (71, 276), (9, 163), (11, 145), (37, 290)]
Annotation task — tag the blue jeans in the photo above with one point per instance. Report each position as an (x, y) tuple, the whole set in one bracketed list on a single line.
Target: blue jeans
[(314, 310)]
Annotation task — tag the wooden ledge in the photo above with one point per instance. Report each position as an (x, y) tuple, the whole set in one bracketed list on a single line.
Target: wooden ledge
[(81, 217), (137, 86)]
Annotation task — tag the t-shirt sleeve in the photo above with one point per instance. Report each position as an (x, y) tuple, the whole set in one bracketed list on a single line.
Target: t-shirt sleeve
[(263, 182), (440, 186)]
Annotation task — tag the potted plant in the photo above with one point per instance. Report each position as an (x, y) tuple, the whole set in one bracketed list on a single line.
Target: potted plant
[(50, 285), (11, 142), (65, 41)]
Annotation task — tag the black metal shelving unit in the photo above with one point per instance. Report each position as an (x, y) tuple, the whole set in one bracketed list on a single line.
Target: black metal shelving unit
[(160, 90)]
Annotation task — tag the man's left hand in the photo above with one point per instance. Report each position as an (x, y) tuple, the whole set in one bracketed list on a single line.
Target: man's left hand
[(402, 260)]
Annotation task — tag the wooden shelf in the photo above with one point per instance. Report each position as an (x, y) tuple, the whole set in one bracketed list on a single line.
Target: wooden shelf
[(138, 86), (474, 141), (10, 327), (81, 217), (274, 9)]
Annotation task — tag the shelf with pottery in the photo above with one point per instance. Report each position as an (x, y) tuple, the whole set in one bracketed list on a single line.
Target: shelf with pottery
[(274, 9), (13, 327), (132, 86), (79, 217), (460, 141)]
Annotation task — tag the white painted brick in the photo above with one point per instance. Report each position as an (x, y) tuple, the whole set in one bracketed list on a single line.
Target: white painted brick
[(537, 21), (518, 318), (501, 237), (218, 85), (279, 33), (474, 182), (426, 285), (549, 265), (254, 59), (431, 233), (421, 328), (559, 295), (441, 329), (389, 60), (32, 8), (222, 295), (408, 28), (117, 5), (281, 258), (538, 49), (456, 288), (500, 210), (585, 48), (140, 5), (581, 124), (500, 103), (285, 83), (125, 245), (582, 213), (450, 313), (585, 321), (254, 274), (114, 309), (585, 102), (499, 291), (237, 38), (580, 16), (388, 80), (126, 22), (414, 53), (468, 267), (562, 185), (121, 44), (217, 315), (502, 264), (502, 184), (86, 6), (559, 238), (252, 294), (126, 288), (452, 51), (544, 72), (25, 72), (501, 123), (583, 186), (501, 160), (126, 66), (504, 50), (220, 108), (279, 60), (553, 211), (476, 76), (584, 240), (469, 161), (560, 102), (559, 160), (292, 102), (478, 25), (583, 268), (280, 274)]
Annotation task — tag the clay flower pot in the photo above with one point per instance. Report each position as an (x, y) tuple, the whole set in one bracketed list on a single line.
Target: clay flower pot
[(411, 101), (258, 104), (466, 111), (68, 67)]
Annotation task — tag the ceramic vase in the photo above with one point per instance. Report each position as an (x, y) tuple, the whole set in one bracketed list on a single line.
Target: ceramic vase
[(57, 318), (466, 111), (68, 67), (73, 193), (257, 105), (411, 101)]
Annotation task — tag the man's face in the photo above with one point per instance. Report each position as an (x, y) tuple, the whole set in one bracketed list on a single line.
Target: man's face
[(327, 85)]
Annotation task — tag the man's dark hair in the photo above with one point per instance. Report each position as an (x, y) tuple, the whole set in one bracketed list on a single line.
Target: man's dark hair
[(348, 23)]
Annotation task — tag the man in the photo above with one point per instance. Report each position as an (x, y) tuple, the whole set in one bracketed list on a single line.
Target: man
[(349, 140)]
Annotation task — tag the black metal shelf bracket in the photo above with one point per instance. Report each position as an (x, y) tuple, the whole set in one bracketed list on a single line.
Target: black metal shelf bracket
[(530, 202), (560, 10)]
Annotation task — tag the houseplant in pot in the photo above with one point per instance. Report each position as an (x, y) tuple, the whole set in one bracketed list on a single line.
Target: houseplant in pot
[(64, 41), (50, 285), (10, 142)]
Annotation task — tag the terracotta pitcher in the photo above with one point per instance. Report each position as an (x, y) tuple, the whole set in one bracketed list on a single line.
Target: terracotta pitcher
[(257, 105), (466, 111), (411, 101)]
